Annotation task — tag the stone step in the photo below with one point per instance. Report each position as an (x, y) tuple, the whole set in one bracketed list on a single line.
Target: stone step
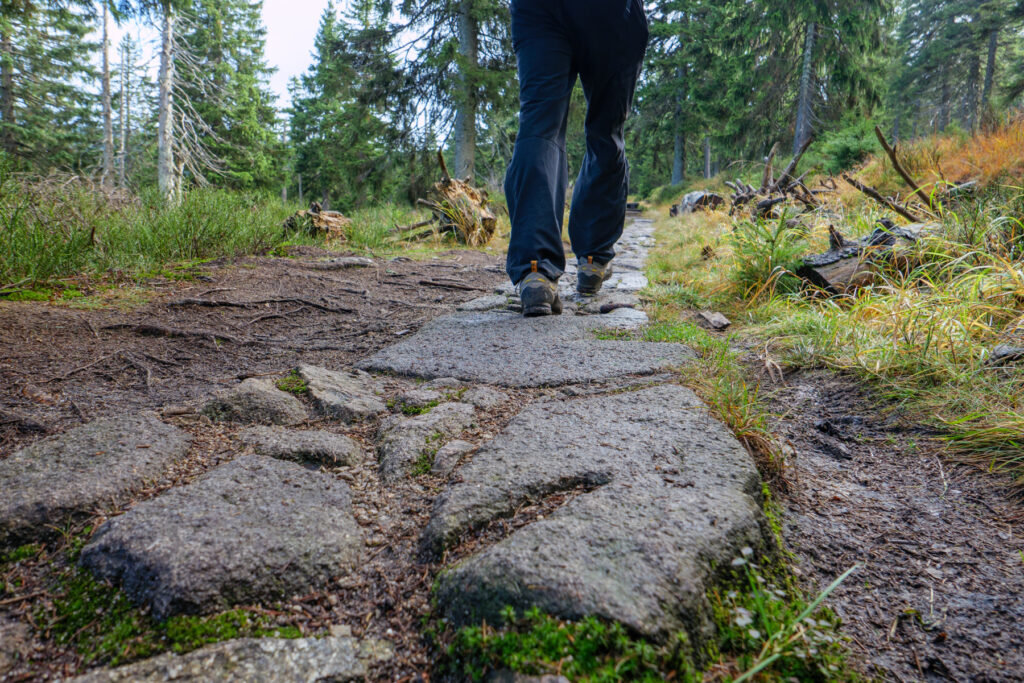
[(669, 495), (252, 530), (255, 401), (256, 660), (507, 349), (71, 476), (401, 441)]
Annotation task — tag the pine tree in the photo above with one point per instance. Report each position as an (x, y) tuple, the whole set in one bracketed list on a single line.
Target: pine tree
[(222, 43), (47, 115), (350, 110)]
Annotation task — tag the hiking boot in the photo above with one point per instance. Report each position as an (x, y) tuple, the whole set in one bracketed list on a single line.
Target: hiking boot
[(590, 275), (539, 295)]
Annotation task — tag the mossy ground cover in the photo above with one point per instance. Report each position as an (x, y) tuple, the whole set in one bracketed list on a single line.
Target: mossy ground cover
[(767, 630), (99, 623)]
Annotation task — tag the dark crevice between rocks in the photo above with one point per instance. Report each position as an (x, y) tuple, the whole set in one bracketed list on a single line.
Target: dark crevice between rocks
[(542, 504)]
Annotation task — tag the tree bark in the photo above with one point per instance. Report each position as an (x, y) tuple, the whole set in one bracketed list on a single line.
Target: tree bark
[(465, 113), (944, 104), (125, 113), (990, 68), (969, 114), (166, 175), (679, 159), (7, 93), (707, 156), (108, 118), (803, 108)]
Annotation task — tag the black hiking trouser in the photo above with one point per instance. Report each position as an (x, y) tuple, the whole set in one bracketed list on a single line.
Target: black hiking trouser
[(603, 42)]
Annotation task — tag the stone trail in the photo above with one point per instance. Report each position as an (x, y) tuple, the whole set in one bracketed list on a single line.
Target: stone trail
[(669, 495), (256, 660), (69, 477), (253, 530), (660, 493)]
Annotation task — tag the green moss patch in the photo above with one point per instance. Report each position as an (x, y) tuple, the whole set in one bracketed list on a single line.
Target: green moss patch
[(293, 384)]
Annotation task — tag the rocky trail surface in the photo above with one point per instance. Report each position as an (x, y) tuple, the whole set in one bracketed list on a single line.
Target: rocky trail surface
[(351, 462)]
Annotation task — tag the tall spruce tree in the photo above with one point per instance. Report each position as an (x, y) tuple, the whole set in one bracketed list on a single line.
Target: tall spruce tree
[(47, 113), (222, 54), (348, 110)]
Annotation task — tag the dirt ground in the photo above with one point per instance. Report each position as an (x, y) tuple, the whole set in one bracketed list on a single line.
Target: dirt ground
[(940, 594), (60, 366)]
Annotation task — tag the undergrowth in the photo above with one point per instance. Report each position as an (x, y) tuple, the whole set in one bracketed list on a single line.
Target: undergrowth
[(922, 333)]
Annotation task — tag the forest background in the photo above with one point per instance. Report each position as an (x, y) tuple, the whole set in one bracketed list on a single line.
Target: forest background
[(391, 82)]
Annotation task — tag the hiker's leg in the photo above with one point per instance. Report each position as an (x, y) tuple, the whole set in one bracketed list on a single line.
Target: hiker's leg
[(609, 80), (537, 177)]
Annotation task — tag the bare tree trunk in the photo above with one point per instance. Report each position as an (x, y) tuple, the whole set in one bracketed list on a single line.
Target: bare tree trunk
[(944, 105), (165, 167), (990, 68), (7, 92), (122, 152), (803, 107), (465, 113), (679, 159), (108, 124), (969, 113), (707, 156)]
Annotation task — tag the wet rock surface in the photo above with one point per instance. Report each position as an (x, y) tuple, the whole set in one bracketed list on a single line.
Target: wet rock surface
[(254, 529), (255, 401), (509, 350), (403, 441), (70, 476), (667, 495), (313, 446), (350, 395), (256, 660)]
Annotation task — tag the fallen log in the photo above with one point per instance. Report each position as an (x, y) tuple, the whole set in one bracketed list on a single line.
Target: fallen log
[(884, 201), (699, 199), (851, 264)]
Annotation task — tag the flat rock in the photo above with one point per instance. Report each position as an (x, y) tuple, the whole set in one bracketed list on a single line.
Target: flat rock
[(420, 398), (713, 320), (303, 445), (68, 477), (507, 349), (484, 303), (255, 401), (15, 644), (351, 395), (506, 676), (1003, 354), (665, 494), (401, 441), (442, 383), (256, 660), (252, 530), (449, 455), (484, 398)]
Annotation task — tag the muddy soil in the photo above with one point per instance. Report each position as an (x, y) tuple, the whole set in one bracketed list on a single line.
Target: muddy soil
[(60, 366), (940, 594)]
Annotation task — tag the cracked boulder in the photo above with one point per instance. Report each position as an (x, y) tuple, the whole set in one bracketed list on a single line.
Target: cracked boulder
[(664, 495), (68, 477), (404, 441), (256, 660), (506, 349), (251, 530), (319, 447), (255, 401), (350, 395)]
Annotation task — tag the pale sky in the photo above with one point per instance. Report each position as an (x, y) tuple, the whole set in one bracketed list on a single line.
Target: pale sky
[(291, 27)]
